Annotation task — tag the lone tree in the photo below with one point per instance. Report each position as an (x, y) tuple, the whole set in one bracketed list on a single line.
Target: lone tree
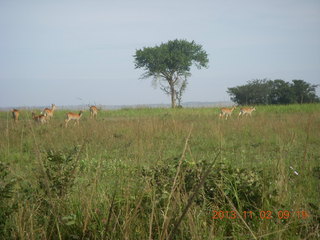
[(169, 65)]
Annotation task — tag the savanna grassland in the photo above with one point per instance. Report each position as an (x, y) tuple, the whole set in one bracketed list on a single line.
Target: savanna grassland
[(162, 174)]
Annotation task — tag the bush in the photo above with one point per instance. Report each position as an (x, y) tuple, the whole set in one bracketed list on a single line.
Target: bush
[(246, 188), (7, 207), (58, 176)]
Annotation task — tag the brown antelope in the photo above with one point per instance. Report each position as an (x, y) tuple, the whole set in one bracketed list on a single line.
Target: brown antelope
[(246, 111), (48, 112), (226, 112), (41, 119), (15, 114), (93, 112), (73, 116)]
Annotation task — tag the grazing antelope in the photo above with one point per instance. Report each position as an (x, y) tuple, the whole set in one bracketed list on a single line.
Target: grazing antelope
[(41, 119), (246, 111), (15, 114), (93, 112), (48, 112), (226, 112), (73, 116)]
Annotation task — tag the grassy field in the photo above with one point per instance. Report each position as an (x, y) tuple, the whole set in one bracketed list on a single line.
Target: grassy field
[(162, 174)]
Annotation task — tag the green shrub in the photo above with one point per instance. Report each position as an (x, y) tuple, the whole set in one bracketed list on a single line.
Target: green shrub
[(7, 207), (58, 176), (246, 188)]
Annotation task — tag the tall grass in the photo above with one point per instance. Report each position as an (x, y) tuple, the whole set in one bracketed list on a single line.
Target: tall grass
[(160, 173)]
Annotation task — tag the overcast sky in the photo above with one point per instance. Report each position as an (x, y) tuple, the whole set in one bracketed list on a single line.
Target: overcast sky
[(81, 52)]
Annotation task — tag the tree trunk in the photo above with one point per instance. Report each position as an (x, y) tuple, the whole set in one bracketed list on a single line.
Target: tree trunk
[(173, 96)]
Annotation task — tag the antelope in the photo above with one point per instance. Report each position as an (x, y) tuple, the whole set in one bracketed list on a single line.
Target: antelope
[(93, 112), (246, 111), (226, 112), (49, 112), (41, 119), (73, 116), (15, 114)]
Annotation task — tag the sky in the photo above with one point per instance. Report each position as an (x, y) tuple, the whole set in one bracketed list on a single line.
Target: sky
[(81, 52)]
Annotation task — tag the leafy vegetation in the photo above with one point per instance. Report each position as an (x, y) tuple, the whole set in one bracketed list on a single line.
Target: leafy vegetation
[(169, 65), (7, 208), (274, 92), (162, 174)]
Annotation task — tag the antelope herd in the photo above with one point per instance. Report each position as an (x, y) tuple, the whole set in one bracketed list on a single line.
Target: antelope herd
[(244, 111), (47, 114)]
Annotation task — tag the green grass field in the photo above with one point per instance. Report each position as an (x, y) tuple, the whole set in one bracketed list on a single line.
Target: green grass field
[(162, 174)]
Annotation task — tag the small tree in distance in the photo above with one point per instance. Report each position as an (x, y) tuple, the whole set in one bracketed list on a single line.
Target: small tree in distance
[(169, 65)]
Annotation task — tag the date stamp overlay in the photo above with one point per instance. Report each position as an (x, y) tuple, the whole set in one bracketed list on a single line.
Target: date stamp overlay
[(263, 215)]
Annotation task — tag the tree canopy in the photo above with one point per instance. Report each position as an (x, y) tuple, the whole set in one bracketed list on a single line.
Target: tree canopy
[(263, 91), (169, 65)]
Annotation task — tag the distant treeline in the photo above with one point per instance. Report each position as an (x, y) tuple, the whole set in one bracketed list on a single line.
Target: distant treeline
[(263, 91)]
